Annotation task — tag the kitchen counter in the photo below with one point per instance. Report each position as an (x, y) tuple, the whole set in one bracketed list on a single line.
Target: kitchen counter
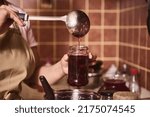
[(62, 84)]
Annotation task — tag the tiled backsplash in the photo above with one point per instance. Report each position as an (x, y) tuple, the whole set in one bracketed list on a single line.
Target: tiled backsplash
[(118, 31), (134, 42)]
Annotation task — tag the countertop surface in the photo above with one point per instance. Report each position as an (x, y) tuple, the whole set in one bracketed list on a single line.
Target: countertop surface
[(62, 84), (145, 94)]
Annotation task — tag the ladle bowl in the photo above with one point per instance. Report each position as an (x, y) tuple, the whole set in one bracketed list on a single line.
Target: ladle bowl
[(78, 23)]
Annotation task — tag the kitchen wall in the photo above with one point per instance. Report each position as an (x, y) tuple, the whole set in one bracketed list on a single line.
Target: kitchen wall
[(118, 31), (134, 43)]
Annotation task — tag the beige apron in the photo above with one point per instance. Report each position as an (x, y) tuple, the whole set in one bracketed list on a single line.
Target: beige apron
[(17, 63)]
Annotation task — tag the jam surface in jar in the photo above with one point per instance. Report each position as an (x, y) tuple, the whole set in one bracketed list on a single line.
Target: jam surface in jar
[(113, 85)]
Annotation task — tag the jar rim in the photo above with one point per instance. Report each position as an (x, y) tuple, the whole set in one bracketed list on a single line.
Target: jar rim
[(79, 46), (78, 50)]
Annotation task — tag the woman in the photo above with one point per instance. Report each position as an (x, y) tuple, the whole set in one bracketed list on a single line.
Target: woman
[(19, 61)]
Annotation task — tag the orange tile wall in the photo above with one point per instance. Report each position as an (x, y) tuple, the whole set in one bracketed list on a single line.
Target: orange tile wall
[(134, 42), (118, 31)]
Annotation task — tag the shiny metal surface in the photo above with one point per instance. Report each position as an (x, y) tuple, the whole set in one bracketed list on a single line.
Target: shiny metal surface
[(76, 94), (78, 23)]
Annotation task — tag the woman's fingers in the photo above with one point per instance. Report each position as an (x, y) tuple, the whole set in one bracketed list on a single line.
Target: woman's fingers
[(92, 57), (64, 63), (17, 19), (65, 57), (12, 15)]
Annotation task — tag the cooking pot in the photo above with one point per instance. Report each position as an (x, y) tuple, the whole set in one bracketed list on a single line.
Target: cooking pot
[(75, 94), (67, 94), (112, 85)]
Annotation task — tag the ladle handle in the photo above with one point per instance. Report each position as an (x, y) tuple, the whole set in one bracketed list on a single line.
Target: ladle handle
[(47, 88), (26, 17), (48, 18)]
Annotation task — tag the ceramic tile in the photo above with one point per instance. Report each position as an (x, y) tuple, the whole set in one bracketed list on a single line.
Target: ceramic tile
[(95, 5), (61, 50), (110, 19), (30, 5), (121, 52), (109, 5), (109, 50), (46, 35), (46, 51), (62, 35), (62, 4), (143, 38), (143, 16), (136, 37), (95, 19), (136, 56), (94, 35), (143, 58), (137, 13), (110, 35), (78, 5)]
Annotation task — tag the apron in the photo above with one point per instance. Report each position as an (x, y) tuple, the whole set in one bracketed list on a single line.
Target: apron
[(17, 63)]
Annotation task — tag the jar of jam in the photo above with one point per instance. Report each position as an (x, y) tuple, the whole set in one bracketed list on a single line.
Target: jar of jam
[(113, 84), (78, 65)]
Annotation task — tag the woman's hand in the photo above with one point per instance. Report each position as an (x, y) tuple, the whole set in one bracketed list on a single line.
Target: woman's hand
[(7, 17), (92, 57), (64, 63)]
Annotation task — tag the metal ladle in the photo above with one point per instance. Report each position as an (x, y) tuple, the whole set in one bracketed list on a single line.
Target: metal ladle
[(77, 22)]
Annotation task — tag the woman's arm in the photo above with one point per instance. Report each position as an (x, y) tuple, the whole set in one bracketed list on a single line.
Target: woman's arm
[(52, 72)]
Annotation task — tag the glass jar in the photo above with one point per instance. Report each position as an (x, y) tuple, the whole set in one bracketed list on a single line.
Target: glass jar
[(113, 84), (78, 65)]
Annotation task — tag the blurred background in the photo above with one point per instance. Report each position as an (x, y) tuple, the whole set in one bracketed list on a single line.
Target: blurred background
[(118, 31)]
